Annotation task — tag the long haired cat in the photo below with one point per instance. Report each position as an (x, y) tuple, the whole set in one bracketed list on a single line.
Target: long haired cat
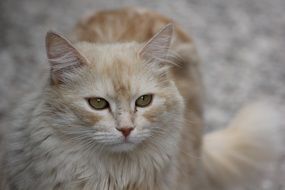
[(121, 110)]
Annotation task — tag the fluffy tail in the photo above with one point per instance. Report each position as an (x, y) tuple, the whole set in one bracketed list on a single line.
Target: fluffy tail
[(237, 156)]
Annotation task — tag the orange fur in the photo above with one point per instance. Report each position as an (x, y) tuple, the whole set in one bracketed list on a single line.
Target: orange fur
[(73, 145), (122, 26)]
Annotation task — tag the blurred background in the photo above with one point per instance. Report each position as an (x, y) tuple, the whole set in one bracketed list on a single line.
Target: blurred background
[(241, 44)]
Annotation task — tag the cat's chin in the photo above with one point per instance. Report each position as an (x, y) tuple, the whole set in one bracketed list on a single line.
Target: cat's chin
[(123, 147)]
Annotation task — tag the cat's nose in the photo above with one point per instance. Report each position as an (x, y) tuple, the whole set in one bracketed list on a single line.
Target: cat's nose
[(125, 130)]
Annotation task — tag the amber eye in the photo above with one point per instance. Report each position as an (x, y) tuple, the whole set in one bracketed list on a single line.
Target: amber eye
[(98, 103), (144, 100)]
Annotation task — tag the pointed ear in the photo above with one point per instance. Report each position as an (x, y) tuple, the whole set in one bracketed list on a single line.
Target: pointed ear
[(62, 56), (157, 47)]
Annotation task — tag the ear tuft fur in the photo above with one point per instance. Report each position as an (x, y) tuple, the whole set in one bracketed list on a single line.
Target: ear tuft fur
[(62, 56), (157, 47)]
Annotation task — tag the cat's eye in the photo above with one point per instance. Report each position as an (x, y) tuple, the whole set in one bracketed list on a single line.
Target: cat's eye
[(144, 100), (98, 103)]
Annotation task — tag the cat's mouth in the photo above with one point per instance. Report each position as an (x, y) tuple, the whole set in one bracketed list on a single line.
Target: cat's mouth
[(125, 144)]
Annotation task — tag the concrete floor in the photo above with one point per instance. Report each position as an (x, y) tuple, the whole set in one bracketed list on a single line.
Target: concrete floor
[(241, 43)]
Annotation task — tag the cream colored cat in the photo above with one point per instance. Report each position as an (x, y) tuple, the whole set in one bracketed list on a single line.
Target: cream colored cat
[(121, 110)]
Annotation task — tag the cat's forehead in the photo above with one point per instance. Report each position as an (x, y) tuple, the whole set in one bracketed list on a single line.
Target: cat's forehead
[(117, 69), (104, 56)]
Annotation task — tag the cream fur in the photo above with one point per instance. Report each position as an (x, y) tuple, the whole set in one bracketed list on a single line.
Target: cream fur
[(238, 156), (56, 141)]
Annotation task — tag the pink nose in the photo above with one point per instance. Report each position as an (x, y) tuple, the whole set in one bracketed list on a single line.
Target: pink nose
[(125, 130)]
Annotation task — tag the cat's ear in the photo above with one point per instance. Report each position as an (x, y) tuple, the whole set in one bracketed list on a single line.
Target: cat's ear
[(157, 47), (62, 56)]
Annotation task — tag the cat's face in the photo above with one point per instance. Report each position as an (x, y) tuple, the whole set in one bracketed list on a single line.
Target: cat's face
[(117, 100)]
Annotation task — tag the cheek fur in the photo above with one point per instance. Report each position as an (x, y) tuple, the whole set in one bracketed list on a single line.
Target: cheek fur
[(156, 109), (98, 120), (90, 118), (153, 114)]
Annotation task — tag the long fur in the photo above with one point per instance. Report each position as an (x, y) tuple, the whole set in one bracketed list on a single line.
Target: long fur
[(56, 141), (236, 157)]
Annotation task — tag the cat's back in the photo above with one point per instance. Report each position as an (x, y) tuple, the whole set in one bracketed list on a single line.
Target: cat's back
[(124, 25)]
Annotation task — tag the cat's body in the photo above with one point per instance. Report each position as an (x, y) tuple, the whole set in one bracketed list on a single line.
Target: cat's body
[(58, 142)]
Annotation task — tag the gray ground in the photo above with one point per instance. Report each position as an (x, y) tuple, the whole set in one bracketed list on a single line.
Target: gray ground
[(241, 43)]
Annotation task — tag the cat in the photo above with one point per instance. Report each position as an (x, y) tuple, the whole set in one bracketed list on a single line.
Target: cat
[(121, 109)]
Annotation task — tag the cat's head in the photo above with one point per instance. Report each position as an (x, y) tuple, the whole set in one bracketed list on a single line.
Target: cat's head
[(113, 97)]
